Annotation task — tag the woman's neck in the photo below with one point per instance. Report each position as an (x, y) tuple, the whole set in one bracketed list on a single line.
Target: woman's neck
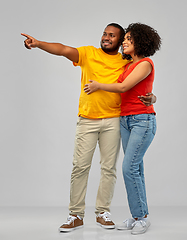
[(135, 58)]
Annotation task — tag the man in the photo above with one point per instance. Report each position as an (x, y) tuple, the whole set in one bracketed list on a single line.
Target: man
[(98, 121)]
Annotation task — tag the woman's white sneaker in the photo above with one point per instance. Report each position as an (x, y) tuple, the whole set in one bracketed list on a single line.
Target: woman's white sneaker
[(127, 224), (140, 226)]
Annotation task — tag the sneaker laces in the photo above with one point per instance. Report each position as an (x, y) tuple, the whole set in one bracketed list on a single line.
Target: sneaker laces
[(139, 223), (70, 219), (106, 216), (129, 222)]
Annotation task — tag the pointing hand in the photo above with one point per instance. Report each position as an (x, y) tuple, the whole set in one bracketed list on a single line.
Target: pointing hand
[(30, 42)]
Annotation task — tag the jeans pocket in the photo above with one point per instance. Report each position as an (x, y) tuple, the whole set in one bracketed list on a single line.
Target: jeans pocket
[(141, 117)]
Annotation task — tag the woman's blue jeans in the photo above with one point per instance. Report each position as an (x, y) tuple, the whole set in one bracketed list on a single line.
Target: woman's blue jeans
[(137, 133)]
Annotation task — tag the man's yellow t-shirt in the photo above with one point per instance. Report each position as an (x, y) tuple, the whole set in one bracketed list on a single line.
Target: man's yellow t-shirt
[(99, 66)]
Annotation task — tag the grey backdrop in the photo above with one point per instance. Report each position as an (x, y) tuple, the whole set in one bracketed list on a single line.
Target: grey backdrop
[(39, 99)]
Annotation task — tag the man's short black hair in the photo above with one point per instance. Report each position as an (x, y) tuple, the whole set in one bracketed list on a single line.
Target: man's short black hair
[(122, 32)]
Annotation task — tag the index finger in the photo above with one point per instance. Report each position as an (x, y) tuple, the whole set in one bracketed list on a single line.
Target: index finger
[(149, 94), (26, 35), (145, 97)]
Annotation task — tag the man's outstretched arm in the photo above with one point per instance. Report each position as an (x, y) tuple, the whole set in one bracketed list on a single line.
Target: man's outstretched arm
[(54, 48)]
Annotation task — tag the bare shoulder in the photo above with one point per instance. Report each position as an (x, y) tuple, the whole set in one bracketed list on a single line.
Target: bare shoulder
[(144, 64)]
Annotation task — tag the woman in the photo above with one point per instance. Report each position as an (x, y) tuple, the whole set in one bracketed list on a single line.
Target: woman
[(137, 121)]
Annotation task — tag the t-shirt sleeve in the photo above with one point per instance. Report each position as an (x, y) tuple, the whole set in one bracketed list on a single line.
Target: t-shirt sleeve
[(82, 56)]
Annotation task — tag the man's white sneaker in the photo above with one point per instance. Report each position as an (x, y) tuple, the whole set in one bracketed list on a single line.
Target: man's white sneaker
[(127, 224), (140, 226)]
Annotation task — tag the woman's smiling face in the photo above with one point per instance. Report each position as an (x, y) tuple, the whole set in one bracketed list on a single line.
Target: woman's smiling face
[(128, 44)]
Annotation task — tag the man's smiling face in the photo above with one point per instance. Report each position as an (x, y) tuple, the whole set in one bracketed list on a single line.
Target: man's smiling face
[(110, 40)]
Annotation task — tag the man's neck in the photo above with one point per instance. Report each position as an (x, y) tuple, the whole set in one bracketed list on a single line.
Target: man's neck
[(110, 53)]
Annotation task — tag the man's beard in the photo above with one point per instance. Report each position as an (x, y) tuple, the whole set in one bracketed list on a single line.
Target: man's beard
[(107, 50)]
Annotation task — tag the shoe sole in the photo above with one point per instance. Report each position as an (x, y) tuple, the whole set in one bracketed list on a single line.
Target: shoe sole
[(106, 226), (121, 229), (70, 229)]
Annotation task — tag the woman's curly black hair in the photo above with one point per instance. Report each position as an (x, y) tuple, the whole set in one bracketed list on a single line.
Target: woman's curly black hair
[(146, 40)]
